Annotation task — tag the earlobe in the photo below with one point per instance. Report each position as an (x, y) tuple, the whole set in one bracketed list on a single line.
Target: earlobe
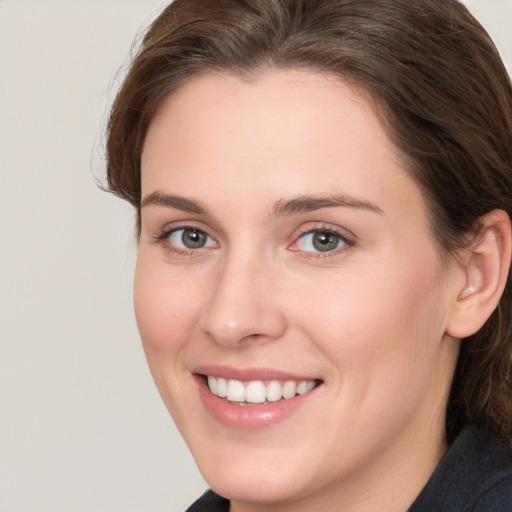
[(486, 269)]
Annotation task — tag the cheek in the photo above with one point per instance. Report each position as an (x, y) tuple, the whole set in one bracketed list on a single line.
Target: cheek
[(381, 329), (166, 307), (384, 350)]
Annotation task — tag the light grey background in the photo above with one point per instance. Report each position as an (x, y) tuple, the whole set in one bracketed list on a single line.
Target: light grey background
[(81, 425)]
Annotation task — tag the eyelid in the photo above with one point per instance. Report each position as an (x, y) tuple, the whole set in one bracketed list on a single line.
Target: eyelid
[(168, 227), (174, 240), (162, 238), (348, 238)]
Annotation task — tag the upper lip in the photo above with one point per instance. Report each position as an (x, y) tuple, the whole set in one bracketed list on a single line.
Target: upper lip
[(249, 374)]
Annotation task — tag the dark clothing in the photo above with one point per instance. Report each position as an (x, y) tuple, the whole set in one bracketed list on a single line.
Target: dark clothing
[(210, 502), (475, 475)]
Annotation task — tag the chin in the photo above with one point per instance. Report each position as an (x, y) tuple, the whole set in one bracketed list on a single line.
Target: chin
[(257, 472), (264, 485)]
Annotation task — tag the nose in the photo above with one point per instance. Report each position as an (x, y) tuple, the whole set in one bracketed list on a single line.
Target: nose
[(243, 304)]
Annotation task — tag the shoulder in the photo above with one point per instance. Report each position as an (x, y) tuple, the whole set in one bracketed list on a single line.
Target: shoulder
[(210, 502), (497, 497), (474, 476)]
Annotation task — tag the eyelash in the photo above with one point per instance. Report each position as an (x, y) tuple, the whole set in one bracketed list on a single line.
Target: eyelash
[(348, 242), (162, 240)]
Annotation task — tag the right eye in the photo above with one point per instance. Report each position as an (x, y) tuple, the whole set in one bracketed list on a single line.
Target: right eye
[(189, 239), (321, 241)]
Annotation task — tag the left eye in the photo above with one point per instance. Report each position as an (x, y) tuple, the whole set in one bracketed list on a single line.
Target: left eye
[(320, 241), (190, 238)]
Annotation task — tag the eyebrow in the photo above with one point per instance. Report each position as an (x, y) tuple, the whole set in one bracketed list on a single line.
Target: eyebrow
[(171, 201), (309, 203), (282, 208)]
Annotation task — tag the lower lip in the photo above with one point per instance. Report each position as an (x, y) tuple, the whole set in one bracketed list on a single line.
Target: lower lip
[(250, 417)]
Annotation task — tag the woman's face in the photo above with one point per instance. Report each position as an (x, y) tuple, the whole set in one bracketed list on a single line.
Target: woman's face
[(286, 255)]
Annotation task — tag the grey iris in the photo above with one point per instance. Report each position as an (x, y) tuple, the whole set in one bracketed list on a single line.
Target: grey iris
[(193, 238), (325, 241)]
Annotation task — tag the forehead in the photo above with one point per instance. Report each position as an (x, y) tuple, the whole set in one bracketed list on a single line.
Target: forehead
[(293, 131), (296, 101)]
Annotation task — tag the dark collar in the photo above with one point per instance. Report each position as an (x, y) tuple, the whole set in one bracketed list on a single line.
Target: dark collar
[(474, 475)]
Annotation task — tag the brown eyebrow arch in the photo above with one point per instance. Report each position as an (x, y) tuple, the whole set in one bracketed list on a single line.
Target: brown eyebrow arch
[(171, 201), (309, 203), (282, 208)]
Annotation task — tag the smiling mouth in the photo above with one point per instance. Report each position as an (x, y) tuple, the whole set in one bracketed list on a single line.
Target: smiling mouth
[(258, 392)]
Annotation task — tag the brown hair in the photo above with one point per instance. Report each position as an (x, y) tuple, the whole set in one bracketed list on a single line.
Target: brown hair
[(439, 87)]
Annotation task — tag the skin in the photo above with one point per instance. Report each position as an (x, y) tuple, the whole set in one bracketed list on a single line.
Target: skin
[(368, 319)]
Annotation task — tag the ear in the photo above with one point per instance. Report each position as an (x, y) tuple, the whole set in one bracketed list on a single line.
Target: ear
[(485, 266)]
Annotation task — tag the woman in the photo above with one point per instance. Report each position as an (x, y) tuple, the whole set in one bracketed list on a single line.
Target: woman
[(324, 193)]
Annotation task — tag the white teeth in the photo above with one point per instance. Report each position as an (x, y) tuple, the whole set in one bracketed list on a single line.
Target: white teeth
[(222, 388), (289, 389), (212, 384), (274, 392), (255, 391), (301, 388), (236, 391)]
